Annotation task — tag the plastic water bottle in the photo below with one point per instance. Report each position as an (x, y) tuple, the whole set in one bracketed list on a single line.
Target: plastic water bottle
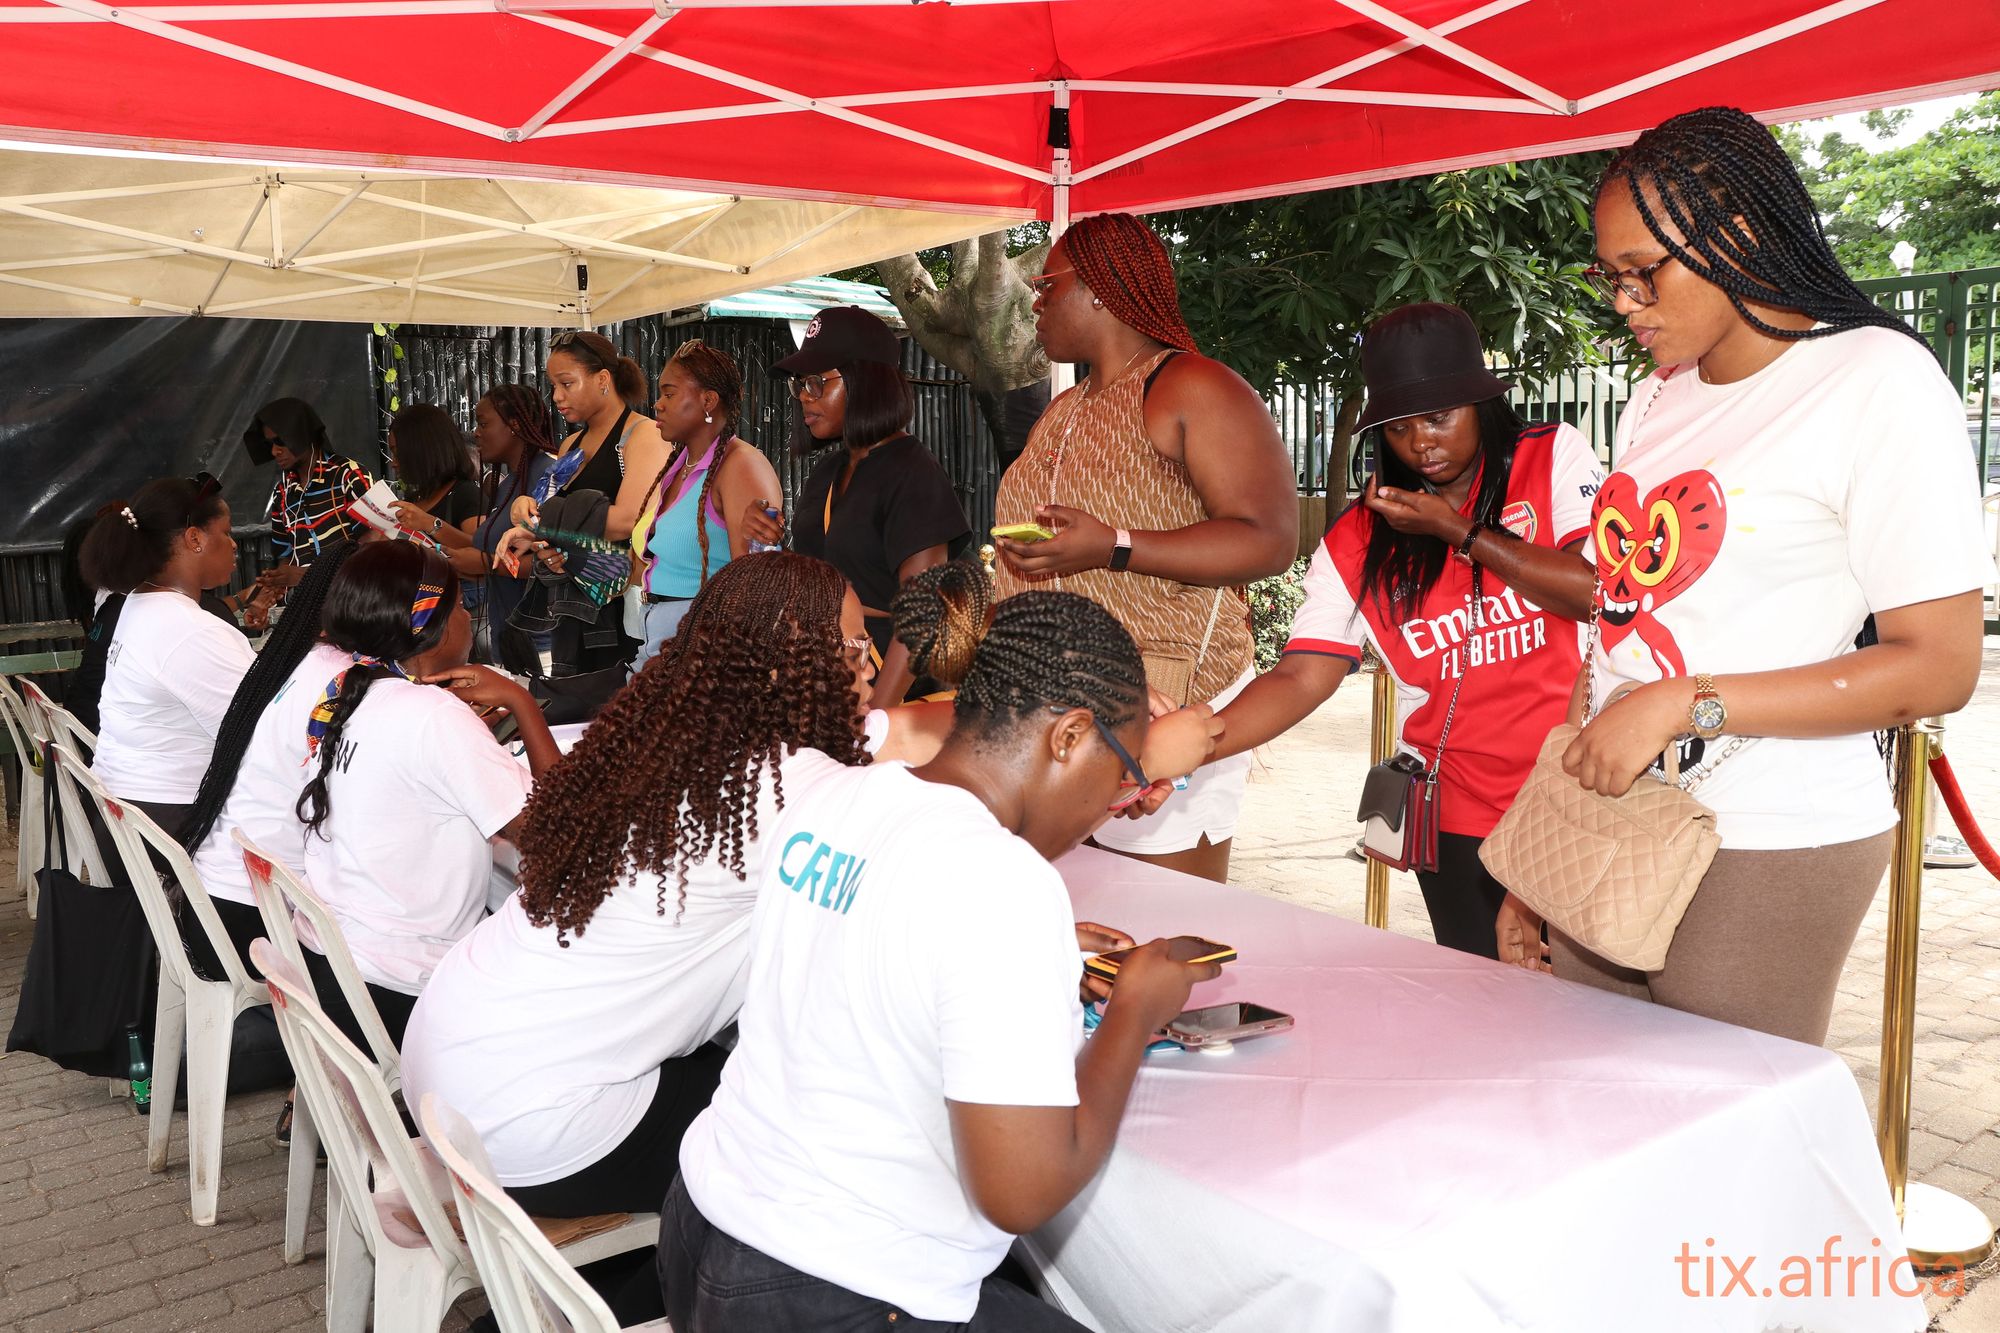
[(755, 546), (140, 1073)]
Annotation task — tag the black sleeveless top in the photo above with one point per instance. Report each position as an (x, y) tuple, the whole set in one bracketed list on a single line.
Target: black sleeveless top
[(604, 470)]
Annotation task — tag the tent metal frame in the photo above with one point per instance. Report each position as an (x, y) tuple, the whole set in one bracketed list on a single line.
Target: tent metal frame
[(1521, 95)]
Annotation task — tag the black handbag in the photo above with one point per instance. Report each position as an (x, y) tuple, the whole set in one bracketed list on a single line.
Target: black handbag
[(89, 978)]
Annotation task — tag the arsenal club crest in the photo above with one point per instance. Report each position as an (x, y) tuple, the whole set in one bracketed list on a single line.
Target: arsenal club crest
[(1519, 519)]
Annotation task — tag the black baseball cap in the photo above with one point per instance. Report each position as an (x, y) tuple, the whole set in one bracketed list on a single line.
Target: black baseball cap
[(841, 335)]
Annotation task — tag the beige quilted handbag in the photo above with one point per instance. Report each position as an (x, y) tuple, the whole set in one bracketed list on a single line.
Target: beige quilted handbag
[(1614, 873)]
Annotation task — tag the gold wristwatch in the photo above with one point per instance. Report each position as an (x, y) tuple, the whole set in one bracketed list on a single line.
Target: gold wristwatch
[(1707, 715)]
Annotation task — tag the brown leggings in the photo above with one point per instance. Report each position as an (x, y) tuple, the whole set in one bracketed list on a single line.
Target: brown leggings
[(1763, 941)]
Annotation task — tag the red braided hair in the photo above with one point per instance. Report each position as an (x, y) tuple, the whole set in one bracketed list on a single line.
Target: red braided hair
[(1126, 267)]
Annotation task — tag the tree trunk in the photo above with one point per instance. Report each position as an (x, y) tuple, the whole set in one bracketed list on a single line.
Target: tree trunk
[(980, 323), (1342, 448)]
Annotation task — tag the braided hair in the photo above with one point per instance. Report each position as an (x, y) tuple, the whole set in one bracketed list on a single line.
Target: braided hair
[(367, 612), (297, 631), (526, 412), (1042, 650), (670, 772), (1704, 170), (715, 370), (1125, 266)]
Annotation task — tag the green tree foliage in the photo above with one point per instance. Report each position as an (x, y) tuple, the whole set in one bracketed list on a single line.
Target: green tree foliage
[(1280, 289), (1941, 192)]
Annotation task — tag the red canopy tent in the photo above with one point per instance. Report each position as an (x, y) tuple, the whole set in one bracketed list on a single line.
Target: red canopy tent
[(1009, 107)]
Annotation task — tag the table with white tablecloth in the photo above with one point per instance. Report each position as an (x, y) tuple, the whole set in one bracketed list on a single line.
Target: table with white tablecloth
[(1443, 1144)]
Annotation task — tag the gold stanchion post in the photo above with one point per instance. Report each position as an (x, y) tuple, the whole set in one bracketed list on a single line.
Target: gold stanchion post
[(1940, 1230), (1381, 745)]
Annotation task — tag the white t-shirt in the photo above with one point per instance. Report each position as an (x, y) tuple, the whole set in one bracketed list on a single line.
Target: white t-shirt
[(264, 801), (417, 789), (554, 1053), (905, 949), (1753, 526), (168, 678)]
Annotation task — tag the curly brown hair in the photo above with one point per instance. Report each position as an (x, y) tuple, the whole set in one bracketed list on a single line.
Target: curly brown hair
[(669, 773)]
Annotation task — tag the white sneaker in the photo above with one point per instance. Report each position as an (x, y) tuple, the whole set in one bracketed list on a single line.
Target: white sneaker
[(1944, 852)]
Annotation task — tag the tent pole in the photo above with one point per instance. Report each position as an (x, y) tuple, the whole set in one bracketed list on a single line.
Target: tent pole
[(1062, 375)]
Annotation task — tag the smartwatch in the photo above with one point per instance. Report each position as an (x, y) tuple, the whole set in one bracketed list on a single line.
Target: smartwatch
[(1121, 550)]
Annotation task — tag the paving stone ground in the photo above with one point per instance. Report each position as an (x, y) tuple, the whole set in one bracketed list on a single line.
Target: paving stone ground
[(90, 1240)]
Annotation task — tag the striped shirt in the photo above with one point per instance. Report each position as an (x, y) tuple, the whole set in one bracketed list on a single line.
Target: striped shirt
[(305, 513)]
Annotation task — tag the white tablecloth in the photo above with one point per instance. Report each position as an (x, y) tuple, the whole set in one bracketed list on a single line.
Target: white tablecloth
[(1444, 1144)]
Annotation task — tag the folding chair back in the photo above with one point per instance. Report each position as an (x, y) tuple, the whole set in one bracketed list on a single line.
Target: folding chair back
[(282, 898), (530, 1286)]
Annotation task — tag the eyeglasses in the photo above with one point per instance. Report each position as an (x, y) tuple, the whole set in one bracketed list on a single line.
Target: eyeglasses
[(1635, 284), (812, 386), (857, 651), (1045, 284), (1136, 782)]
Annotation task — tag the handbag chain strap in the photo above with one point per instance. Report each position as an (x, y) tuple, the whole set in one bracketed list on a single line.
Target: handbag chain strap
[(1687, 780), (1451, 709)]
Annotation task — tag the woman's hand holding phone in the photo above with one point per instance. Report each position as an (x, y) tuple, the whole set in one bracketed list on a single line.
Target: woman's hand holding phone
[(1154, 988), (1093, 938)]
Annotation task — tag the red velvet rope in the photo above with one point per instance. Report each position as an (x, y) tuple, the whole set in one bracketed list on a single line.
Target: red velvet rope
[(1961, 815)]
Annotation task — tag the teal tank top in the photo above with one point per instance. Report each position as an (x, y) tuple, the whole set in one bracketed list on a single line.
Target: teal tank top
[(673, 568)]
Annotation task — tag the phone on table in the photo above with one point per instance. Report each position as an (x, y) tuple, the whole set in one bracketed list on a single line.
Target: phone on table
[(1223, 1022), (1024, 532), (1181, 948)]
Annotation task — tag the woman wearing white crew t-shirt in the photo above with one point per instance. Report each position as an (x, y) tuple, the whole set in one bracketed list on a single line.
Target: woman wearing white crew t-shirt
[(404, 785), (172, 666), (1796, 466), (573, 1027), (906, 1093)]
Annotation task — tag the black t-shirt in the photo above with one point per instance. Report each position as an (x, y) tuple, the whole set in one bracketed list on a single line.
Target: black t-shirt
[(898, 503), (461, 502)]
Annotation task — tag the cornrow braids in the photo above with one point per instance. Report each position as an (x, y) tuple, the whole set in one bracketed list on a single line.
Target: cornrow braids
[(298, 630), (1708, 168), (1125, 266), (670, 772), (941, 614)]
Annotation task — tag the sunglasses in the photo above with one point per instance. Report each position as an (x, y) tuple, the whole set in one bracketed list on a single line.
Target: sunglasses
[(206, 487), (812, 386), (1045, 284)]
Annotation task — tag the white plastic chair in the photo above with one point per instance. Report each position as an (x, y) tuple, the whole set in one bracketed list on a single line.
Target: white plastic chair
[(389, 1227), (195, 1014), (50, 721), (282, 895), (265, 871), (21, 732), (529, 1284)]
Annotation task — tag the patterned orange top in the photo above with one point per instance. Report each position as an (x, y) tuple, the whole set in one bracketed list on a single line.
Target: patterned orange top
[(1090, 452)]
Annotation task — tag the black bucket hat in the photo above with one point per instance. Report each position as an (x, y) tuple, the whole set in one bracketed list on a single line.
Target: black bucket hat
[(293, 421), (1423, 358), (841, 335)]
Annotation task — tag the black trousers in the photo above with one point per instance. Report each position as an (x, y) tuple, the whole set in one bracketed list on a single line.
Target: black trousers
[(1462, 898), (394, 1006), (240, 921), (633, 1177)]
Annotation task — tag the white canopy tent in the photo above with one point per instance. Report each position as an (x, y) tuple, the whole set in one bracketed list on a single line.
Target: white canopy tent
[(84, 234)]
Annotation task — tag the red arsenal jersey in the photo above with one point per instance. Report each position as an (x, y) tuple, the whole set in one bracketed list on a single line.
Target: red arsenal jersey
[(1519, 661)]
